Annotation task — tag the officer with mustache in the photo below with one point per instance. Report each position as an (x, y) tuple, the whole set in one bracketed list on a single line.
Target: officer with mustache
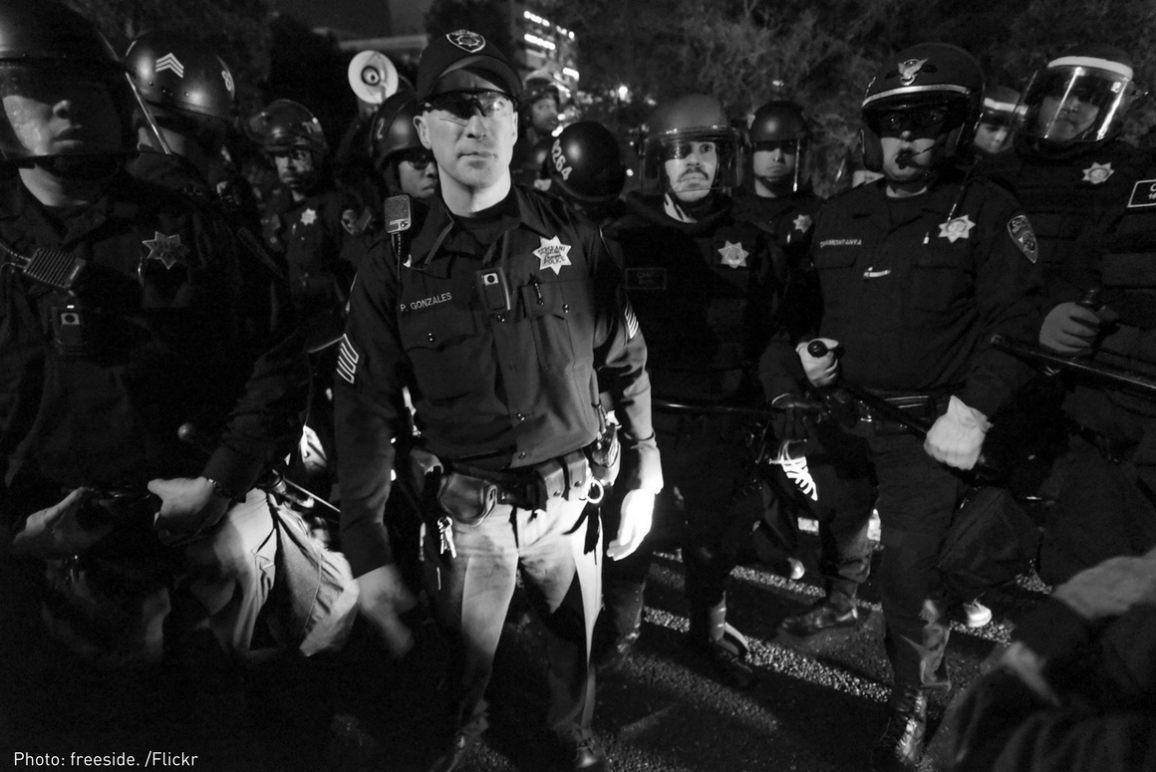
[(707, 288)]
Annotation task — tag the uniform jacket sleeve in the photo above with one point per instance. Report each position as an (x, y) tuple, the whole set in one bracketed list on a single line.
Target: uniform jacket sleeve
[(1008, 288), (620, 361), (369, 409)]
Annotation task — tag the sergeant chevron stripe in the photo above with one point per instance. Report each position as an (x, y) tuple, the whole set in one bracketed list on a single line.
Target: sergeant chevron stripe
[(170, 62), (347, 358)]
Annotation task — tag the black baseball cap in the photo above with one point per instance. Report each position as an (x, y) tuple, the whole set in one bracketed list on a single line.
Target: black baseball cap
[(464, 61)]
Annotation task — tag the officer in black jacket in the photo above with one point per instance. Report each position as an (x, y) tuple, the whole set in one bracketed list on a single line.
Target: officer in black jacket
[(916, 271), (503, 315), (707, 288), (123, 317)]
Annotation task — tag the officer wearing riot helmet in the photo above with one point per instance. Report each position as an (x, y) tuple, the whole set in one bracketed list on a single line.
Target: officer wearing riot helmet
[(125, 319), (402, 162), (706, 287), (191, 97), (503, 317), (998, 122), (586, 169), (916, 272), (538, 119)]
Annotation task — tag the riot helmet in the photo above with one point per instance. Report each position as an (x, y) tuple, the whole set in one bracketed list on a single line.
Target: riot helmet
[(181, 75), (691, 138), (50, 54), (290, 134), (778, 142), (393, 138), (931, 88), (541, 103), (586, 164), (999, 120), (1080, 97)]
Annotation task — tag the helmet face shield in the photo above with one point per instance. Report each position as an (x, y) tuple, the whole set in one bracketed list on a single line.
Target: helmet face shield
[(1076, 104), (54, 110), (691, 163)]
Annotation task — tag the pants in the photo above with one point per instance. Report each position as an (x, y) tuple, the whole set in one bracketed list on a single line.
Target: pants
[(916, 498), (561, 575)]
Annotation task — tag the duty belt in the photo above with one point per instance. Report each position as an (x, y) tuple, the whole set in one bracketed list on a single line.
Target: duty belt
[(923, 408), (533, 486)]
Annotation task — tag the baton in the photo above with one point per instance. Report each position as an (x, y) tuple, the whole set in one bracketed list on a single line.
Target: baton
[(1114, 375), (818, 348), (670, 406)]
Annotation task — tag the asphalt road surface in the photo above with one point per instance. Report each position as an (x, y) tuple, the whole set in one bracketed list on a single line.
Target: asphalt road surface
[(813, 709)]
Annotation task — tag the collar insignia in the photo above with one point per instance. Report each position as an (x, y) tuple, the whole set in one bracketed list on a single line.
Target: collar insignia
[(167, 249), (803, 223), (308, 217), (553, 254), (733, 255), (468, 41), (1098, 174), (909, 69), (959, 228)]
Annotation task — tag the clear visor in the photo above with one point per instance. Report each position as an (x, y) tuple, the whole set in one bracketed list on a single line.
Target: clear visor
[(1076, 104), (53, 110), (691, 162)]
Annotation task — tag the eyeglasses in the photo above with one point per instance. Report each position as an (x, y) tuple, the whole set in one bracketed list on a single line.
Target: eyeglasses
[(901, 120), (676, 151), (464, 105), (418, 158)]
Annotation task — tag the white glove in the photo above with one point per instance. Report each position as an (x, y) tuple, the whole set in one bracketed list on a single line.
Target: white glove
[(820, 370), (1070, 329), (383, 597), (956, 437), (637, 514)]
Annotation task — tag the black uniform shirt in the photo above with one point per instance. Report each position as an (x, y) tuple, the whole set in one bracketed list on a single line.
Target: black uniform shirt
[(913, 296), (157, 334), (498, 385)]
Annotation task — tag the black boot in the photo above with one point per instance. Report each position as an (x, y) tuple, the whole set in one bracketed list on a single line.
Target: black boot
[(901, 746), (834, 612), (618, 627), (723, 647)]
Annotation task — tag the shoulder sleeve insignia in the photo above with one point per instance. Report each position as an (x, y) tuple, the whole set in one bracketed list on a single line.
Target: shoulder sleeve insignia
[(1024, 237), (347, 359), (1143, 195)]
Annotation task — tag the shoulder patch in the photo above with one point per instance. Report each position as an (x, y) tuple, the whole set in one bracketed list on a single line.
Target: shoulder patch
[(1143, 195), (1024, 237), (347, 359)]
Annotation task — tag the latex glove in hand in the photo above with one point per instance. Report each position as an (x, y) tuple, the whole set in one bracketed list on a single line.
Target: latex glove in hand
[(383, 598), (956, 437), (1111, 588), (59, 531), (823, 370), (1070, 329), (188, 505), (795, 416), (634, 525)]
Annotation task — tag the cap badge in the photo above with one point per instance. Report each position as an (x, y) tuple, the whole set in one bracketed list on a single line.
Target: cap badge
[(909, 69), (470, 42)]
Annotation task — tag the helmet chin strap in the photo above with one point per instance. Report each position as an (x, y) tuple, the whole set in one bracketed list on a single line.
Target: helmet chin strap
[(689, 212)]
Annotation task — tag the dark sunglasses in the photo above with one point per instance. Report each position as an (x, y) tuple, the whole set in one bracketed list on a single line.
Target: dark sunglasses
[(418, 158), (787, 146), (902, 120), (464, 105)]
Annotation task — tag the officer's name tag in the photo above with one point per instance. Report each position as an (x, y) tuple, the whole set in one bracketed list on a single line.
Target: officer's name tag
[(645, 278), (1143, 195)]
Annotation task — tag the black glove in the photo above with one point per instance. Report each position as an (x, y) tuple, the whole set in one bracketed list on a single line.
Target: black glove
[(795, 416)]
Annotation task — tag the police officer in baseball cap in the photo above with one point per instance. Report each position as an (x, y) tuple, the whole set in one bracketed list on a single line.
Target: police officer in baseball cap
[(503, 317)]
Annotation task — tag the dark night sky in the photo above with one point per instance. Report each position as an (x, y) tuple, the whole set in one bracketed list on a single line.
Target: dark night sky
[(366, 17)]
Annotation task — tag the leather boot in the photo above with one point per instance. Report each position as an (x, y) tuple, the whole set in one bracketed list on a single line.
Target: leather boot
[(900, 747)]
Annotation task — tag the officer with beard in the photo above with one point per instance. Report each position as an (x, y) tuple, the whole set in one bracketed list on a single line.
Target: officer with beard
[(916, 271), (706, 287)]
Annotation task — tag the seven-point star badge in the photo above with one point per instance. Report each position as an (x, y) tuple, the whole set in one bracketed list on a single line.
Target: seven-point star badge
[(552, 254), (733, 255), (167, 249), (959, 228), (803, 223), (308, 217), (1098, 174)]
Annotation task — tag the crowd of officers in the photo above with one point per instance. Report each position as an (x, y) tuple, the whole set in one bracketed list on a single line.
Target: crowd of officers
[(493, 365)]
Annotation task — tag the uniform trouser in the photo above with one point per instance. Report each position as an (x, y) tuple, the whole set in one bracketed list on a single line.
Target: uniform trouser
[(916, 499), (562, 580), (705, 466)]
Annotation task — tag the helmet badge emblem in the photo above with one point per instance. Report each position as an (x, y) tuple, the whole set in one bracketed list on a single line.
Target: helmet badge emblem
[(909, 69), (170, 62), (468, 41)]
